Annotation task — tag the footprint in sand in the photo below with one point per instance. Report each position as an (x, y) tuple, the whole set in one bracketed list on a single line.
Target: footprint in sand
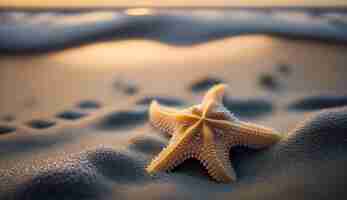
[(71, 115), (125, 86), (5, 129), (318, 102), (248, 108), (8, 118), (147, 143), (168, 101), (89, 104), (284, 69), (40, 124), (272, 81), (122, 119), (269, 82), (204, 84)]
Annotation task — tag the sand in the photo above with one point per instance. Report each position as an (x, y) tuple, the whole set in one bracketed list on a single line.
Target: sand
[(74, 122)]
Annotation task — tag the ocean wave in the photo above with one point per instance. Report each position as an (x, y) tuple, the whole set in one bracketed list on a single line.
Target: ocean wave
[(45, 31)]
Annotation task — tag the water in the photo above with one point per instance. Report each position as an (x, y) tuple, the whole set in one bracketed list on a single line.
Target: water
[(35, 31)]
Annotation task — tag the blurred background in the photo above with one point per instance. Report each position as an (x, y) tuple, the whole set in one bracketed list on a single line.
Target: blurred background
[(180, 3)]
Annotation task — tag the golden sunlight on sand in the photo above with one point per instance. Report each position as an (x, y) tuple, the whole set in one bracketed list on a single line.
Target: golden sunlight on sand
[(89, 56)]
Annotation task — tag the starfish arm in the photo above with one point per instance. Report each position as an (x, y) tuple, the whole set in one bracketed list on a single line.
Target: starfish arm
[(246, 133), (215, 157), (214, 94), (209, 105), (167, 119), (178, 150)]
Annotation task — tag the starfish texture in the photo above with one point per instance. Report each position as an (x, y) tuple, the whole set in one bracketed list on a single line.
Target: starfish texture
[(205, 132)]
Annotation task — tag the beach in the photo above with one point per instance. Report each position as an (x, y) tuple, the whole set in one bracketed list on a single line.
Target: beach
[(74, 104)]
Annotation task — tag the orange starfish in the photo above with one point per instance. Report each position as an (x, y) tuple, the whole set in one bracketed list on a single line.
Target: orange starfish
[(205, 132)]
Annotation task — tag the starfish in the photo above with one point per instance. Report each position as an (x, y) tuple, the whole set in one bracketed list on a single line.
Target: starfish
[(205, 132)]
